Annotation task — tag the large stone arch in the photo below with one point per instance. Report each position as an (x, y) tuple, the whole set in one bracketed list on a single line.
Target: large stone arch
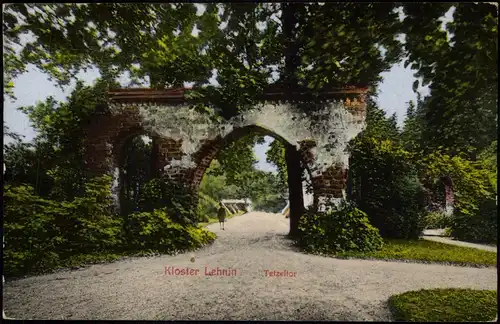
[(183, 135), (210, 148)]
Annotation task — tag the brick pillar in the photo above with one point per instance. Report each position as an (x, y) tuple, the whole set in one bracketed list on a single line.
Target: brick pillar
[(330, 186), (167, 150), (100, 160), (173, 165), (100, 155)]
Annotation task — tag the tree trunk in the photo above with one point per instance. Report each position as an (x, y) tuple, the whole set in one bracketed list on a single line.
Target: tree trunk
[(295, 188), (289, 19)]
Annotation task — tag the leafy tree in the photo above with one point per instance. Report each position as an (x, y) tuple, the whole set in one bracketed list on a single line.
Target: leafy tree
[(276, 156), (153, 43), (378, 125), (214, 184), (386, 186), (9, 134), (462, 72), (265, 190), (383, 178), (119, 38), (342, 43), (314, 44), (488, 159), (59, 127), (29, 164), (411, 135), (72, 37), (238, 157)]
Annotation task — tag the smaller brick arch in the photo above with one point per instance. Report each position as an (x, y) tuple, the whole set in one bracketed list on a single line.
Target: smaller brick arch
[(448, 194), (439, 194)]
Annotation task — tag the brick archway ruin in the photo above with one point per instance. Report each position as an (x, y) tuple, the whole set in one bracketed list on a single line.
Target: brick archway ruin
[(185, 140), (448, 195)]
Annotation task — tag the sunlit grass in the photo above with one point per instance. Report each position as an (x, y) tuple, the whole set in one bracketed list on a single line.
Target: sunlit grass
[(444, 305)]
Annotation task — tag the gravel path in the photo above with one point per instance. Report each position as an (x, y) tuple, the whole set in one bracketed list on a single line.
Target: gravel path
[(486, 247), (321, 289)]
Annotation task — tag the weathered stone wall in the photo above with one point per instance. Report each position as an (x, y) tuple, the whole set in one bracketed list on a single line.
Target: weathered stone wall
[(187, 140)]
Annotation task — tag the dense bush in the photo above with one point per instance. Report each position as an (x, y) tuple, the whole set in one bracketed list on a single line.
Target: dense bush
[(32, 236), (179, 199), (437, 220), (39, 233), (406, 218), (207, 207), (156, 231), (385, 186), (341, 229), (94, 227), (42, 234), (480, 227), (447, 232)]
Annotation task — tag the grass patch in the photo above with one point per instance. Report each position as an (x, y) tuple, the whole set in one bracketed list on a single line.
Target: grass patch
[(428, 251), (216, 220), (444, 305)]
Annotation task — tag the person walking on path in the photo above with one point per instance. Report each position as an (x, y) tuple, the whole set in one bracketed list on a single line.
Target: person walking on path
[(221, 214)]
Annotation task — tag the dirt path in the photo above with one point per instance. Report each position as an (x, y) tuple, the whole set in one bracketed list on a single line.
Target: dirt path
[(318, 289), (446, 240), (437, 235)]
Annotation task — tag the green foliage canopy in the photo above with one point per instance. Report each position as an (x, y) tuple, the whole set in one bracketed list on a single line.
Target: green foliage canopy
[(462, 71)]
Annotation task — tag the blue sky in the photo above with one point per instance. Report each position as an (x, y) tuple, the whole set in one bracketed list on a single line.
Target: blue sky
[(394, 93)]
